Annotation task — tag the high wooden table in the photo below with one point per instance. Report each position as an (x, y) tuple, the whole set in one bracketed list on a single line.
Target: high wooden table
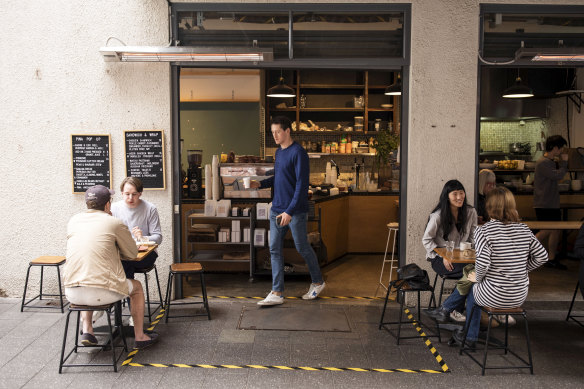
[(457, 256), (554, 225), (144, 254)]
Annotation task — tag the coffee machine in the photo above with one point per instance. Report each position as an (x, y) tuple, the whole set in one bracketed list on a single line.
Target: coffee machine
[(195, 174)]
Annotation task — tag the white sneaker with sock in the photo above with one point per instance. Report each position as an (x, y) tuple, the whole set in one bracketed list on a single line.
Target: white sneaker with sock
[(457, 316), (313, 291), (272, 299), (501, 319), (96, 315)]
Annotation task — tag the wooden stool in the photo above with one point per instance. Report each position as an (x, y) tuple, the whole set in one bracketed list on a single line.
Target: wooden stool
[(444, 277), (401, 293), (392, 228), (43, 261), (574, 317), (499, 311), (119, 332), (181, 269)]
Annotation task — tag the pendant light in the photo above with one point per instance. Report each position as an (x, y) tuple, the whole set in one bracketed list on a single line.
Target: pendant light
[(395, 88), (518, 90), (281, 89)]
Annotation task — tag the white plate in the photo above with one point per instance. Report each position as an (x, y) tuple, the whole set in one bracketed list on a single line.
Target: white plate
[(145, 243)]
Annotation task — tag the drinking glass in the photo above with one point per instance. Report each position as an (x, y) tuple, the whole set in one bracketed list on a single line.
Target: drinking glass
[(450, 249)]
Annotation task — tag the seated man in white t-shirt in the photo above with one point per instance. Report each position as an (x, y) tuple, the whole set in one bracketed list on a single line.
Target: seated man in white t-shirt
[(93, 273)]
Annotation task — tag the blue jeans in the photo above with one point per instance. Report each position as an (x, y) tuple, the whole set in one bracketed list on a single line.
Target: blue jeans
[(277, 233), (474, 322)]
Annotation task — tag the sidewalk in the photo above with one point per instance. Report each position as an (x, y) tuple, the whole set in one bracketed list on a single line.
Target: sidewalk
[(31, 343)]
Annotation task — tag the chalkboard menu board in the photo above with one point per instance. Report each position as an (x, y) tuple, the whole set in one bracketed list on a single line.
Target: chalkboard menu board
[(91, 163), (145, 157)]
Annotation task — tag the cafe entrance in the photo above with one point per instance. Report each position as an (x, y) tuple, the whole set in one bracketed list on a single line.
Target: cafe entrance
[(339, 64)]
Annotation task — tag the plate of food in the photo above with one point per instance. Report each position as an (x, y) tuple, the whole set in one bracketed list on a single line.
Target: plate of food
[(145, 243)]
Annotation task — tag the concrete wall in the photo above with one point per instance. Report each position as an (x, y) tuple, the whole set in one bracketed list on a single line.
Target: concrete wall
[(55, 83)]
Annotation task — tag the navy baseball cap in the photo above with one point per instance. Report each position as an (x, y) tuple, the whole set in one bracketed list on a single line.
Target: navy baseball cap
[(98, 193)]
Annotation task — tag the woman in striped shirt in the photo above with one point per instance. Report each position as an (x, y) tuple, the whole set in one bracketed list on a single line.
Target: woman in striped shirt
[(506, 251)]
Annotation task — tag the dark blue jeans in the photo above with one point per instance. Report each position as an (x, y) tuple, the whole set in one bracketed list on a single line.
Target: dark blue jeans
[(474, 322), (277, 233)]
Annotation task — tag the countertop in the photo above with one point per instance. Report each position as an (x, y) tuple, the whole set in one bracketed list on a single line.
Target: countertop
[(315, 198)]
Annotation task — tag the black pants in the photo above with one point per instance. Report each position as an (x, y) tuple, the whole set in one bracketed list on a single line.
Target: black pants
[(131, 266), (438, 266)]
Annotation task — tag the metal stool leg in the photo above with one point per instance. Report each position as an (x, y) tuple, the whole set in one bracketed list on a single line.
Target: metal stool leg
[(147, 295), (62, 361), (158, 284), (441, 292), (204, 292), (528, 343), (433, 297), (487, 344), (567, 316), (401, 312), (168, 294), (26, 285), (60, 289), (384, 307), (41, 289)]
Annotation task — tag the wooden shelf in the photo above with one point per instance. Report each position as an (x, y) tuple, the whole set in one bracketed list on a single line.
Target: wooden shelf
[(221, 243), (331, 86), (283, 110), (380, 109), (318, 155), (332, 109), (335, 132)]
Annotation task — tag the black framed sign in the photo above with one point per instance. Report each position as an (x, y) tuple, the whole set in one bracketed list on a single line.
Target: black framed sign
[(145, 157), (90, 161)]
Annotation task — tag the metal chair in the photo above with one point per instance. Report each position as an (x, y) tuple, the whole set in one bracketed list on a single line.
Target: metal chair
[(401, 296), (391, 227), (118, 330), (54, 261), (497, 311), (181, 269)]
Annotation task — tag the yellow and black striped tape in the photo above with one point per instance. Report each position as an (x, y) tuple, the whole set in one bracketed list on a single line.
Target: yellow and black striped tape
[(432, 349), (297, 297), (444, 367), (302, 368)]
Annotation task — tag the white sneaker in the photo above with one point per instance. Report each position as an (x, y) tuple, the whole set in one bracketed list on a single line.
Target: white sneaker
[(272, 299), (96, 315), (131, 321), (501, 319), (313, 291), (457, 316)]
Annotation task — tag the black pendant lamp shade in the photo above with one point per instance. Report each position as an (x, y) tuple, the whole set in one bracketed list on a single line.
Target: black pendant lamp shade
[(395, 88), (281, 90), (518, 90)]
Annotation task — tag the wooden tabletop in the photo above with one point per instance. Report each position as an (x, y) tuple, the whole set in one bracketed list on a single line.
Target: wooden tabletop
[(554, 225), (457, 255), (144, 254)]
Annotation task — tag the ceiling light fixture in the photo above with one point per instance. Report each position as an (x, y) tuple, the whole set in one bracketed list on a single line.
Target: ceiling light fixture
[(185, 54), (518, 90), (281, 89), (394, 89)]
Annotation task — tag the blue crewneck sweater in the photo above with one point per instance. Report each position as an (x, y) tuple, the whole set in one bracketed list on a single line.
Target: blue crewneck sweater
[(290, 180)]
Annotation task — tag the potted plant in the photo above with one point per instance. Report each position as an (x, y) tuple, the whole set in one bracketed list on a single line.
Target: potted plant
[(385, 144)]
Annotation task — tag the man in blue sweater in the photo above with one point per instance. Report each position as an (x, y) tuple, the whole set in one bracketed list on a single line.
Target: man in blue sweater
[(289, 211)]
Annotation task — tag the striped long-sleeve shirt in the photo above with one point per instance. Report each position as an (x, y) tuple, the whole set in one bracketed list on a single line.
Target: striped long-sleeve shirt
[(505, 254)]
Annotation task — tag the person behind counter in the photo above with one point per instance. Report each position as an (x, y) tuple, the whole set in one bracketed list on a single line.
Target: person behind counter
[(141, 217), (289, 211), (487, 181), (506, 251), (546, 195), (452, 220), (93, 273)]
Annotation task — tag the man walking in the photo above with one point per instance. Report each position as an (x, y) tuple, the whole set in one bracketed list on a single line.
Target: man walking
[(289, 211)]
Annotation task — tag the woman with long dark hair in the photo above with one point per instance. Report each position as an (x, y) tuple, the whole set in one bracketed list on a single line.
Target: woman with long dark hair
[(452, 220)]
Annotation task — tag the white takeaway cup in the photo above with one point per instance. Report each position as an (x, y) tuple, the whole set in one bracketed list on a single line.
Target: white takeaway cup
[(246, 182)]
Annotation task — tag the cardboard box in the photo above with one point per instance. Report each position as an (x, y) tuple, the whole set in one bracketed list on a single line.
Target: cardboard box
[(259, 237), (223, 208), (236, 236), (236, 225), (210, 207)]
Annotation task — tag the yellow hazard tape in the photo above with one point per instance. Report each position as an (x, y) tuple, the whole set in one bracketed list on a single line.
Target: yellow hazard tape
[(444, 367)]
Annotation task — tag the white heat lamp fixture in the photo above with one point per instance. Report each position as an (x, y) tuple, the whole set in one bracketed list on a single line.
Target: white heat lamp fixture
[(185, 54)]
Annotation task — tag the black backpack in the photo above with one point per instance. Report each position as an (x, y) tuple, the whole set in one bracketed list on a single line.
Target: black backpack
[(413, 275)]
